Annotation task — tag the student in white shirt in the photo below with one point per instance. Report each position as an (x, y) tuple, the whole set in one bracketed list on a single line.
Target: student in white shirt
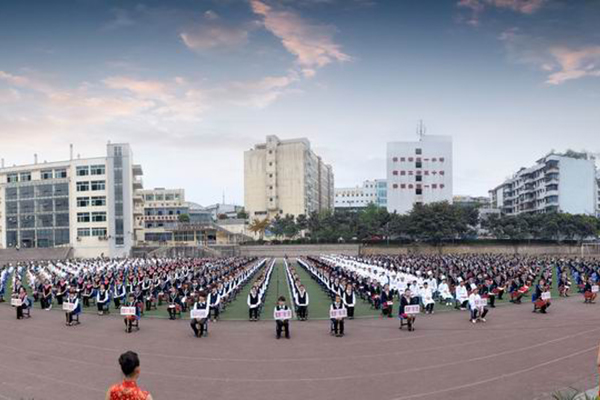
[(478, 312), (427, 296), (462, 295)]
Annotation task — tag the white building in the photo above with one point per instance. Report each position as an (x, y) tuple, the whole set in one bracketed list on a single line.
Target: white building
[(161, 210), (556, 183), (371, 192), (286, 177), (419, 172), (87, 204)]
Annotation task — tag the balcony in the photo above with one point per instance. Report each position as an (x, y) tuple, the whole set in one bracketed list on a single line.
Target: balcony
[(138, 183), (137, 170)]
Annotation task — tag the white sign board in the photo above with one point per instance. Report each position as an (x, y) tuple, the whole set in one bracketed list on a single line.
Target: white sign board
[(546, 296), (283, 315), (595, 289), (16, 302), (68, 307), (198, 314), (339, 313), (411, 310), (480, 303), (128, 311)]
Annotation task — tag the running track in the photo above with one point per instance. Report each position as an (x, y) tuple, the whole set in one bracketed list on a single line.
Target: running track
[(515, 355)]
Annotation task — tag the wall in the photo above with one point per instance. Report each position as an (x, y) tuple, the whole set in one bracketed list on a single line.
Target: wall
[(478, 249), (299, 250), (577, 188)]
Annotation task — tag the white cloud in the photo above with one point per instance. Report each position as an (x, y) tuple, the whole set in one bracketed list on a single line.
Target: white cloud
[(477, 7), (312, 44)]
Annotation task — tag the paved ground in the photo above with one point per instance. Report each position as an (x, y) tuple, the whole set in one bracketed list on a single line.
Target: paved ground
[(515, 355)]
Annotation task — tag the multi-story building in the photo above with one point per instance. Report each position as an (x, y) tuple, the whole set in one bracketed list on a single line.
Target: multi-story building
[(161, 210), (471, 201), (419, 172), (286, 177), (371, 192), (87, 204), (556, 183)]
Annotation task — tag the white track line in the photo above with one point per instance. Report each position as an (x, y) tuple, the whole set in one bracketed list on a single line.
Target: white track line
[(503, 376)]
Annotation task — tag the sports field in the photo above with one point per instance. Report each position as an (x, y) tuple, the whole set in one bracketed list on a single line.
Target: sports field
[(515, 355)]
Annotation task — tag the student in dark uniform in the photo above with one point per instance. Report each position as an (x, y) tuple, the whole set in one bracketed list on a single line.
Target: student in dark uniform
[(282, 324), (46, 301), (119, 294), (253, 304), (25, 303), (302, 301), (214, 301), (174, 302), (338, 323), (61, 291), (102, 300), (349, 298), (131, 319), (73, 298), (387, 301), (406, 300), (198, 325)]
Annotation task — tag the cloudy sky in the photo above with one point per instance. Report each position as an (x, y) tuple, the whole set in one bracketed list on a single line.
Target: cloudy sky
[(191, 84)]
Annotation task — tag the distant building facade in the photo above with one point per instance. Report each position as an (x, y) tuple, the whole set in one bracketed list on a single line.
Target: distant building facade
[(371, 192), (556, 183), (286, 177), (419, 172), (471, 201), (88, 204)]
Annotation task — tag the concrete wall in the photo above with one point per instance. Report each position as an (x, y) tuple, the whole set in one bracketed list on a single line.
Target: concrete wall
[(299, 250), (464, 249)]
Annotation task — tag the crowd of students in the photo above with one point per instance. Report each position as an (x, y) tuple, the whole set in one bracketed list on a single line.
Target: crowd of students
[(467, 282)]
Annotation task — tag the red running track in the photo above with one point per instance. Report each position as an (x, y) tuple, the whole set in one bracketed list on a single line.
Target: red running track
[(515, 355)]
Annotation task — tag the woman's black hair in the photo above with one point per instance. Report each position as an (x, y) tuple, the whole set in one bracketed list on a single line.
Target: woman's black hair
[(129, 361)]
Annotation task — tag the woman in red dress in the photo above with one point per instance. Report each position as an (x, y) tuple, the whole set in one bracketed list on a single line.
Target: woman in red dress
[(128, 389)]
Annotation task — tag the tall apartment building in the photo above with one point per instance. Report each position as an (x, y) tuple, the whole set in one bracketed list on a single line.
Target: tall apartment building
[(419, 172), (556, 183), (286, 177), (87, 204), (371, 192)]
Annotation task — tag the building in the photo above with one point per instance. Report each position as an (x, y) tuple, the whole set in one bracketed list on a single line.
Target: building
[(419, 172), (472, 201), (161, 211), (556, 183), (222, 210), (371, 192), (87, 204), (286, 177)]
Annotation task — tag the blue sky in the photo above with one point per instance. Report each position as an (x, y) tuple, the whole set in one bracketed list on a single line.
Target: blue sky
[(191, 84)]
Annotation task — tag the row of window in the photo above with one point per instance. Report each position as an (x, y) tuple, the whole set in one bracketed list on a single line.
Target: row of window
[(46, 174), (418, 159), (86, 170), (402, 173), (28, 192), (87, 232), (93, 185), (99, 216), (37, 238), (40, 221), (94, 201), (161, 197), (37, 206)]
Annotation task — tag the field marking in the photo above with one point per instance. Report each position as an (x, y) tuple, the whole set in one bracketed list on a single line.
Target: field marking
[(503, 376), (325, 379)]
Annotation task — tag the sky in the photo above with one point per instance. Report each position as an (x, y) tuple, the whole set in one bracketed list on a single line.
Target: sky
[(192, 84)]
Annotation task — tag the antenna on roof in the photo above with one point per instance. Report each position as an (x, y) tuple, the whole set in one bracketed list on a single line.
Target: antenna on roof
[(421, 129)]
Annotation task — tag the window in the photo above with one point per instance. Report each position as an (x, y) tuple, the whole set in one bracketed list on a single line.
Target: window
[(410, 159), (47, 174), (441, 172), (83, 201), (403, 186), (434, 186), (25, 176), (60, 173), (441, 159), (419, 178), (26, 192), (419, 191), (159, 197), (61, 189), (402, 159), (442, 186), (45, 221), (418, 151), (26, 207), (395, 173), (426, 172), (98, 201), (98, 217), (11, 178), (82, 171), (61, 204), (395, 159), (403, 173), (27, 221), (83, 232), (410, 186), (395, 186), (99, 232), (83, 217), (419, 164), (434, 159), (83, 186), (61, 236), (410, 173), (149, 197), (98, 185), (97, 170)]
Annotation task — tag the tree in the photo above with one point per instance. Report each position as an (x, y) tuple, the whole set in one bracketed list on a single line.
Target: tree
[(184, 218), (259, 227), (242, 214)]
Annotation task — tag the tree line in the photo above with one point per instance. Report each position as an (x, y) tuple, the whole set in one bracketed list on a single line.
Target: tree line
[(433, 223)]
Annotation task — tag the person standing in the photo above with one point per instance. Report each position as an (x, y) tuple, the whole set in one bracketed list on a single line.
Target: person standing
[(302, 301), (349, 300), (253, 304), (128, 389)]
